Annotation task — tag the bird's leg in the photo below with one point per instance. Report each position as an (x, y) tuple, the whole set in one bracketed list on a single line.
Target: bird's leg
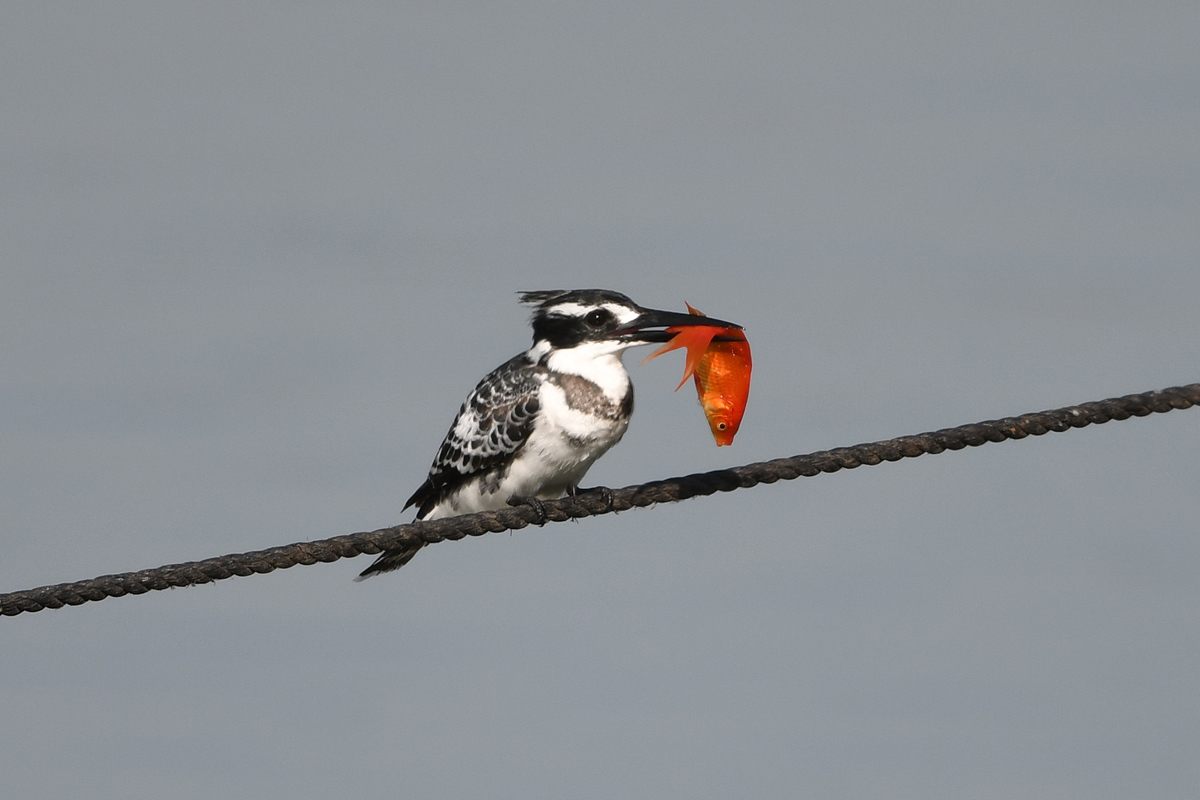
[(537, 505), (606, 494)]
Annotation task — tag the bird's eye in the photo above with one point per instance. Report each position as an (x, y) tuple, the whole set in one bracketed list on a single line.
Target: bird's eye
[(597, 318)]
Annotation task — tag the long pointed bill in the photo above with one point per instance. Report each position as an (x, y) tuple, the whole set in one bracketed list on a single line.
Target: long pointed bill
[(650, 327)]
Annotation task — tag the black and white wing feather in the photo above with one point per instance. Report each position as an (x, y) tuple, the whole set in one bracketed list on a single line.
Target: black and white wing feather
[(492, 425)]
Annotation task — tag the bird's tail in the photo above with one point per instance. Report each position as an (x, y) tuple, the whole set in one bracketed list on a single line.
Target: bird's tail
[(391, 560)]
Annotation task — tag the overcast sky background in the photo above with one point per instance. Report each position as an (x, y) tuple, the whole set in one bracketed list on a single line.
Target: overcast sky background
[(253, 260)]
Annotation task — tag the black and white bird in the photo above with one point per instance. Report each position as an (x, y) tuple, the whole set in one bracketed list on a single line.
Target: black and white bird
[(535, 424)]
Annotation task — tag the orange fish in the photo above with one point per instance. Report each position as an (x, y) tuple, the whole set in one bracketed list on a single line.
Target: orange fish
[(721, 370)]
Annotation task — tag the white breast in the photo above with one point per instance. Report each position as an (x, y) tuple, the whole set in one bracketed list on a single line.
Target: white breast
[(599, 362), (566, 440), (563, 446)]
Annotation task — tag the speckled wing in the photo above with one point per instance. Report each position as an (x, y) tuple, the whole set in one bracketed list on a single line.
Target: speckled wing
[(492, 425)]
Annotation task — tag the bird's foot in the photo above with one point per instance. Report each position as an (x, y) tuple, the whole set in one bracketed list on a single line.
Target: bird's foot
[(606, 494), (537, 505)]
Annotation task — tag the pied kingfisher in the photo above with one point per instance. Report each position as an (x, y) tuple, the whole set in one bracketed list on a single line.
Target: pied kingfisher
[(536, 423)]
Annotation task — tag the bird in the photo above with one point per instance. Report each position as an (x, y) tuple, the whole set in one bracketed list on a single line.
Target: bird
[(532, 428)]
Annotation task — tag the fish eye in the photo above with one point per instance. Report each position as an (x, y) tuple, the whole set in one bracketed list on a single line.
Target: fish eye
[(597, 318), (721, 426)]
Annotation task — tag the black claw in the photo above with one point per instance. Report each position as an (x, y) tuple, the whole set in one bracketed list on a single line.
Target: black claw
[(606, 494), (537, 505)]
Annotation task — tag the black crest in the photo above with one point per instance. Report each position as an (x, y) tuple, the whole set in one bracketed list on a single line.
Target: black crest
[(585, 297)]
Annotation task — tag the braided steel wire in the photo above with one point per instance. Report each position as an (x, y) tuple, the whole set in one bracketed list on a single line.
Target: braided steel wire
[(595, 503)]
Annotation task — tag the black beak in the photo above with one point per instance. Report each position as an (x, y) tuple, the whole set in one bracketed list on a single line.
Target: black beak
[(643, 328)]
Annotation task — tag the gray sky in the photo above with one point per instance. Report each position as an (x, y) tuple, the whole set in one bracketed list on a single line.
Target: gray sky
[(252, 261)]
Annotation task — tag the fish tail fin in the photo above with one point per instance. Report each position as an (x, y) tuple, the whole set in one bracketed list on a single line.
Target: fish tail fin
[(674, 344)]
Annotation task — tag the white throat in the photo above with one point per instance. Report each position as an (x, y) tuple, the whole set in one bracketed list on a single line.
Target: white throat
[(599, 362)]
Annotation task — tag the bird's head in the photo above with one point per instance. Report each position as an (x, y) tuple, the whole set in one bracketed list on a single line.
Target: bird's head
[(601, 320)]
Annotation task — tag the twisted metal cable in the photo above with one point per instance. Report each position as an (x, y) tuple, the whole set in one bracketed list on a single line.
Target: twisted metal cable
[(593, 504)]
